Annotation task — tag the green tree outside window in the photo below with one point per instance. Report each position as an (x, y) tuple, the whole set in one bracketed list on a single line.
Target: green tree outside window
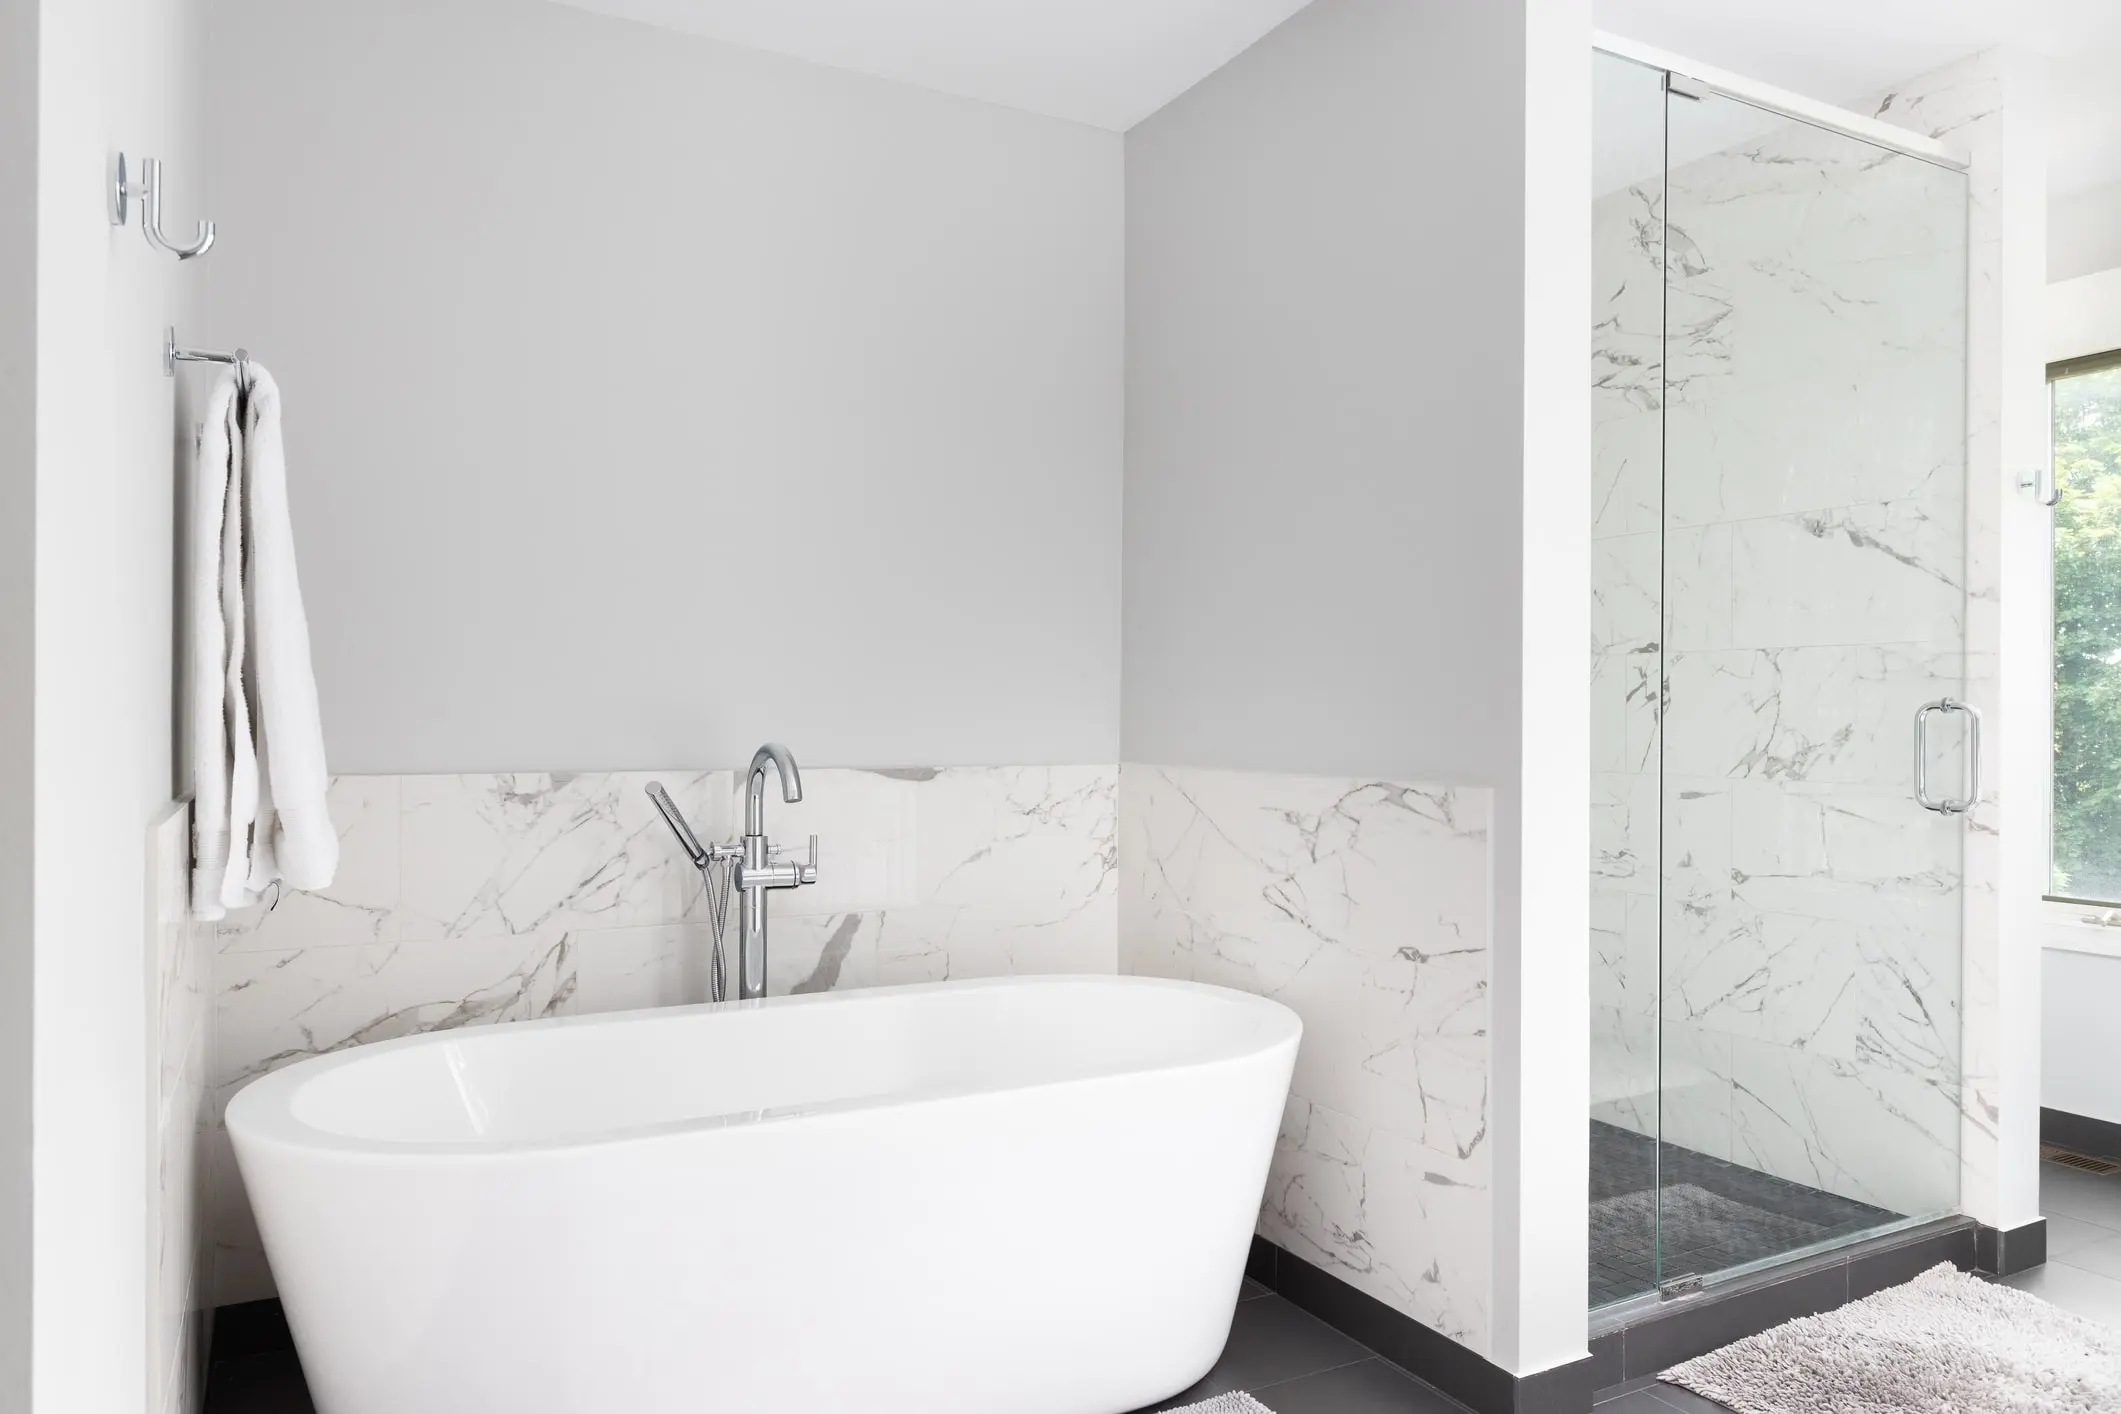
[(2087, 825)]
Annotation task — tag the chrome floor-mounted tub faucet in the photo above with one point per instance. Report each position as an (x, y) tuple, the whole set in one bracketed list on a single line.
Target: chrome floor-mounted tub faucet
[(758, 866)]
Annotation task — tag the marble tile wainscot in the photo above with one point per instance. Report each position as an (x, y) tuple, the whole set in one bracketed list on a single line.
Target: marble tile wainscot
[(1364, 905), (471, 900)]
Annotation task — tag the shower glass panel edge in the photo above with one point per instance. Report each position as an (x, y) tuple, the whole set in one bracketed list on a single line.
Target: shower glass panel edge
[(1628, 320)]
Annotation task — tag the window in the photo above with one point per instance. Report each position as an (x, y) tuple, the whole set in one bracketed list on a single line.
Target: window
[(2085, 395)]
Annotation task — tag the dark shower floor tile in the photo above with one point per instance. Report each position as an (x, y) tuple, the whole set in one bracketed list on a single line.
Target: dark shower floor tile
[(1715, 1214)]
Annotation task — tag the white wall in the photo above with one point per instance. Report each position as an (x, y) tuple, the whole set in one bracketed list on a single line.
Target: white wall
[(2084, 315), (1357, 492), (1542, 974), (18, 471), (2084, 232), (112, 73), (2080, 1050), (648, 397)]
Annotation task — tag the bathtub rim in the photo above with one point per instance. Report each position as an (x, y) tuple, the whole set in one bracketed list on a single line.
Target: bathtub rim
[(261, 1112)]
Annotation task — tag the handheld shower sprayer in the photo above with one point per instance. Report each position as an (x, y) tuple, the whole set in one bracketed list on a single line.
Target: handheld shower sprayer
[(676, 821), (717, 866)]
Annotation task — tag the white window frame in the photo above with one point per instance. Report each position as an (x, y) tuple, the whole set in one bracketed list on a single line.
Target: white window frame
[(2083, 319)]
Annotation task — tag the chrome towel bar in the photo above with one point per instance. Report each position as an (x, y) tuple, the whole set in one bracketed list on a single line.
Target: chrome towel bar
[(172, 355)]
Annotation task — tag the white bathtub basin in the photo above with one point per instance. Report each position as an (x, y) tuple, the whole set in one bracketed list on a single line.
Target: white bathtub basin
[(1020, 1196)]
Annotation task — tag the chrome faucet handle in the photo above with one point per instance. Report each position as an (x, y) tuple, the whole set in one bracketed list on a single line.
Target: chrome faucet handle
[(804, 873)]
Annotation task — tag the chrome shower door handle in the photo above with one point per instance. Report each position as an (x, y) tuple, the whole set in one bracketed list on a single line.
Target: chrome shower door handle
[(1972, 749)]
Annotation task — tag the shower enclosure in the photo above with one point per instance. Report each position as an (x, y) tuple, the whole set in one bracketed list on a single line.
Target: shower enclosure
[(1778, 653)]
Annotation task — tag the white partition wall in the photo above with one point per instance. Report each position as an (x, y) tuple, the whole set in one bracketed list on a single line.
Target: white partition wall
[(110, 431), (1356, 559)]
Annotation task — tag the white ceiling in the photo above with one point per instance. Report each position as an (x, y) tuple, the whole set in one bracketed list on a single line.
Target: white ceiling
[(1842, 50), (1109, 63)]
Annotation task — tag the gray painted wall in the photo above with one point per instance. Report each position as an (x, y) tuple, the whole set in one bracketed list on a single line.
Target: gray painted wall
[(596, 339), (1324, 391), (18, 567)]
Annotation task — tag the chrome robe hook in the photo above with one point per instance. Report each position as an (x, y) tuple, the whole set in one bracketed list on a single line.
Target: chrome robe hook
[(150, 194)]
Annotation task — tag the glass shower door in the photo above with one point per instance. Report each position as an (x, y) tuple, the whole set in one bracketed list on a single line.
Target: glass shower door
[(1813, 662)]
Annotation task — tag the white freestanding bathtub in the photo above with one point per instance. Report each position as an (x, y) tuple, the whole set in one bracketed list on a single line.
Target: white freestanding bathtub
[(1020, 1196)]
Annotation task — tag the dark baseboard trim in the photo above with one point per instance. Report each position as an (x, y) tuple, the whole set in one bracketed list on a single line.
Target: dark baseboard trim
[(249, 1328), (1470, 1378), (2005, 1252), (2098, 1137), (1687, 1326)]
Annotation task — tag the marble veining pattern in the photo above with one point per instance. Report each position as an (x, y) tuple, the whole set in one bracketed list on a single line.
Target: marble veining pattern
[(476, 900), (1781, 577), (1363, 905)]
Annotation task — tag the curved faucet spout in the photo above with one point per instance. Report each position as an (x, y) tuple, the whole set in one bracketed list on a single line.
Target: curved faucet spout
[(782, 760)]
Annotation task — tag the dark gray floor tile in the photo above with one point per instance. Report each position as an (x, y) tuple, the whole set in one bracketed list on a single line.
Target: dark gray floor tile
[(1270, 1341), (1608, 1394), (2101, 1257), (1252, 1289), (2073, 1288), (2066, 1234), (259, 1384), (1372, 1387), (1637, 1401), (2090, 1197), (1686, 1401)]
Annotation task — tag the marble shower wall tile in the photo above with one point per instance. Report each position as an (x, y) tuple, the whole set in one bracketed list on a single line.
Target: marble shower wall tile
[(1363, 905), (1839, 714), (1634, 559), (1866, 1132), (1627, 363), (477, 900), (1892, 573)]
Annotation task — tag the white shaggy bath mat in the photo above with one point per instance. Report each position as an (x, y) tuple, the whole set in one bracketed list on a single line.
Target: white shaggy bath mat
[(1238, 1403), (1945, 1343)]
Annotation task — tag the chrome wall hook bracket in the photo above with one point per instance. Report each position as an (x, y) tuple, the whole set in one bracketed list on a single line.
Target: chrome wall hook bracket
[(148, 189)]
